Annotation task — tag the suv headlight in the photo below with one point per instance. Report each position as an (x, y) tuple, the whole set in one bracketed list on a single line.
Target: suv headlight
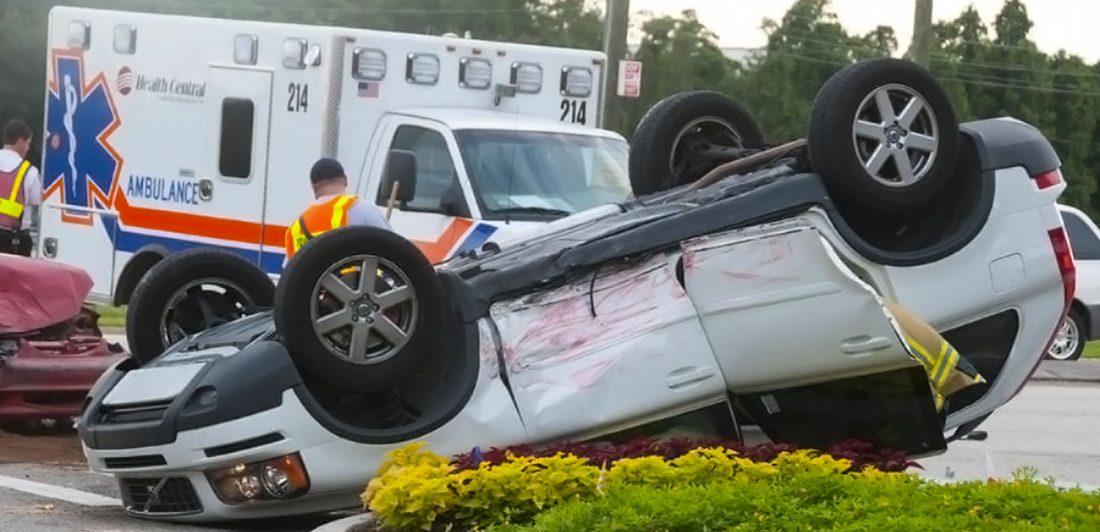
[(277, 479)]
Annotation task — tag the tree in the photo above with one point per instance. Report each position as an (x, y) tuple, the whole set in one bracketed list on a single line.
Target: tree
[(679, 54)]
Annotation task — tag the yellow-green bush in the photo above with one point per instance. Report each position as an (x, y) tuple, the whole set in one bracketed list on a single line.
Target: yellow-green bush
[(804, 501), (416, 488)]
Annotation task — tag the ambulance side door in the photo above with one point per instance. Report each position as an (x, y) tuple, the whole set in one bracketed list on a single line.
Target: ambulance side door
[(438, 216), (233, 177)]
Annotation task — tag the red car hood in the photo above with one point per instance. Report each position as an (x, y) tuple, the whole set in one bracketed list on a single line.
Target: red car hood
[(37, 293)]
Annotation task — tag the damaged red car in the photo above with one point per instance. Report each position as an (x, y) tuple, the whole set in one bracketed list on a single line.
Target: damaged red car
[(51, 348)]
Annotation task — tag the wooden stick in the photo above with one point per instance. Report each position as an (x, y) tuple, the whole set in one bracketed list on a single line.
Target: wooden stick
[(393, 199), (727, 169)]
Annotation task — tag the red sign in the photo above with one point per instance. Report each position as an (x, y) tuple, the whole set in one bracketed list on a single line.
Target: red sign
[(630, 79)]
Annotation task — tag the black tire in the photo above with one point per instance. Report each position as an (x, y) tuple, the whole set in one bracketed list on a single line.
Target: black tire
[(655, 141), (296, 298), (248, 289), (1073, 350), (835, 152)]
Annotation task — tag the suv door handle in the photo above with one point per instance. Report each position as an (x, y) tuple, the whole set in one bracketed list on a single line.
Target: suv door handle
[(864, 344)]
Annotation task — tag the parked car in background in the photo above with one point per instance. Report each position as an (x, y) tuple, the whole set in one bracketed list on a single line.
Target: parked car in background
[(1082, 325)]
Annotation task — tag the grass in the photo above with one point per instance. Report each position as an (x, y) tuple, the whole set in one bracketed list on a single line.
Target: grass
[(1092, 350), (111, 317)]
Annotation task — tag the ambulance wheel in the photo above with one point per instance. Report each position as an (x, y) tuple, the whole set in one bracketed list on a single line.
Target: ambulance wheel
[(189, 292), (684, 136), (356, 333), (884, 137)]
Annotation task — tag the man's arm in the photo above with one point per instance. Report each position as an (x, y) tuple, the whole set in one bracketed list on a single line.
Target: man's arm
[(32, 201)]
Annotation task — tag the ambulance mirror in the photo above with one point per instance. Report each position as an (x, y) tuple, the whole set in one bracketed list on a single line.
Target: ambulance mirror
[(400, 169)]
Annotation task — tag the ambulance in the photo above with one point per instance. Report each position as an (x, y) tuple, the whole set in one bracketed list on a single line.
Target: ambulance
[(165, 133)]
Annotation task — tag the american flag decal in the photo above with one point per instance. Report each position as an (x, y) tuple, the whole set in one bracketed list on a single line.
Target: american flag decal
[(368, 89)]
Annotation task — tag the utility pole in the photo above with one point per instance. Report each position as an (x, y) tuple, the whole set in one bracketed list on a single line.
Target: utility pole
[(920, 50), (616, 27)]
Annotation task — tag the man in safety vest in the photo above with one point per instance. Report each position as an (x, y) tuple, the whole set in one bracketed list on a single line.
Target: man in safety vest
[(20, 191), (332, 209)]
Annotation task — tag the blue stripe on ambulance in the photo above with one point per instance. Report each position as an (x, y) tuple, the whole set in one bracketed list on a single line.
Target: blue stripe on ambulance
[(478, 236)]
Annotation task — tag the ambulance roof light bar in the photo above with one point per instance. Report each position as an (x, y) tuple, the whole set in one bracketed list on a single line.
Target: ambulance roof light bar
[(475, 73), (294, 53), (245, 47), (369, 64), (80, 35), (576, 81), (527, 77), (125, 39), (422, 69)]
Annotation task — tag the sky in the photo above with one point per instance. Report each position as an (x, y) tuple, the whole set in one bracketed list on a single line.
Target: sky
[(1059, 24)]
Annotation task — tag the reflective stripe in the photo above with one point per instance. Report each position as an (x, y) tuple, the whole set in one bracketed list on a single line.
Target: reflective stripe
[(299, 232), (11, 206), (937, 368), (924, 357), (338, 211), (951, 359)]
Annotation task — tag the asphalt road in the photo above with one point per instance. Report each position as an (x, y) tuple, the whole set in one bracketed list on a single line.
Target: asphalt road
[(1052, 427)]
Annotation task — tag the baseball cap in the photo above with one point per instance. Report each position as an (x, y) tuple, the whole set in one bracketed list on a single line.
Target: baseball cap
[(326, 168)]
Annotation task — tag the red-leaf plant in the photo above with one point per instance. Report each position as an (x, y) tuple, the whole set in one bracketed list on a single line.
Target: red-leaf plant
[(862, 454)]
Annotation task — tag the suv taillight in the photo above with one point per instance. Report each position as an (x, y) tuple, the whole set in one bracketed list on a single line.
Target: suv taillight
[(1048, 179), (1064, 257)]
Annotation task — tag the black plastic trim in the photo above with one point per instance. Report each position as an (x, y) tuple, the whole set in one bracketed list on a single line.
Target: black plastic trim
[(230, 448), (1006, 143), (132, 462), (1093, 317), (943, 249), (249, 382)]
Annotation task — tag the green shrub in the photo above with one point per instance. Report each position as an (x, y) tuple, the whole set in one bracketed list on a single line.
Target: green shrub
[(811, 501), (416, 489)]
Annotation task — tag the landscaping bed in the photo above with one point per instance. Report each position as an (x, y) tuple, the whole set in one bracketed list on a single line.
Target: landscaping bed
[(702, 485)]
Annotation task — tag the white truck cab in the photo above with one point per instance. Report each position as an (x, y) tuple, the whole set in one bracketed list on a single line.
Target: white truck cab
[(165, 133)]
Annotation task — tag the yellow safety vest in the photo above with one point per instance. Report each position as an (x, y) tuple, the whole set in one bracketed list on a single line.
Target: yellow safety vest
[(318, 219), (11, 206)]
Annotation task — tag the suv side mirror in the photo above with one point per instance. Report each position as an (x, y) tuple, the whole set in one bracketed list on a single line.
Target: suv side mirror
[(400, 169)]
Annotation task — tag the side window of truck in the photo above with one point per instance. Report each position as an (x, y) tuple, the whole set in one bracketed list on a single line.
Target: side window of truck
[(1085, 244), (435, 170)]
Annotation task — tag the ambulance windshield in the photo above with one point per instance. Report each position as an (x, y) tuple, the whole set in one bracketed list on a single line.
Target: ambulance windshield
[(532, 174)]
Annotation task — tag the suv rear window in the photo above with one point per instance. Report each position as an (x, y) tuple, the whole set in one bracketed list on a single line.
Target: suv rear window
[(1085, 244)]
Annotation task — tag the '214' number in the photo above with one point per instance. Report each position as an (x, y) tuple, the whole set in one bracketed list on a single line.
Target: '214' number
[(574, 111), (299, 98)]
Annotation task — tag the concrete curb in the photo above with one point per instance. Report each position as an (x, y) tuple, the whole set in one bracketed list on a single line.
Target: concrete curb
[(1079, 371), (346, 523)]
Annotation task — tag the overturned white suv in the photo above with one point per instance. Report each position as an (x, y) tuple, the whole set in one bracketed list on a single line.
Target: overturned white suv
[(744, 286)]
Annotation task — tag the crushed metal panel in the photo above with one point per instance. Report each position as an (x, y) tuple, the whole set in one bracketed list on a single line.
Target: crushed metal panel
[(781, 309), (606, 350)]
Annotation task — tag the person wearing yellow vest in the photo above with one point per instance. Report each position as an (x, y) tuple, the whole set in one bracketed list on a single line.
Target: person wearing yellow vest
[(20, 191), (333, 207)]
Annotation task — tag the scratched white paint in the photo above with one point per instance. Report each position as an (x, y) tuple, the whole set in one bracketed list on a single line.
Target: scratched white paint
[(487, 350), (781, 311), (643, 352)]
